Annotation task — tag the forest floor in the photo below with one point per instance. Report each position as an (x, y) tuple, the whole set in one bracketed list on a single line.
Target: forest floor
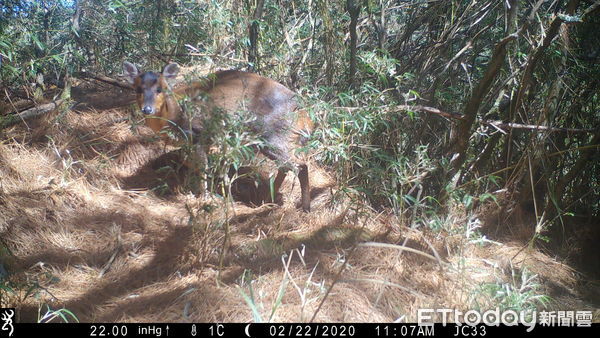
[(93, 220)]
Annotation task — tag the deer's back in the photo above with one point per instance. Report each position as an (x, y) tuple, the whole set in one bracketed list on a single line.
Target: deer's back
[(269, 104)]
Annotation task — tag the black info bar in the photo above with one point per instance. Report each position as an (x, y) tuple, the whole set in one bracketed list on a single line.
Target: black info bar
[(282, 330)]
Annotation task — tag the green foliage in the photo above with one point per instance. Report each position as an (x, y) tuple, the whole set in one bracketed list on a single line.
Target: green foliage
[(36, 42), (380, 65), (50, 315), (369, 152), (229, 143), (14, 290), (522, 292)]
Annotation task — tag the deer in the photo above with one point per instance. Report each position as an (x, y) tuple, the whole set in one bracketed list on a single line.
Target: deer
[(272, 106)]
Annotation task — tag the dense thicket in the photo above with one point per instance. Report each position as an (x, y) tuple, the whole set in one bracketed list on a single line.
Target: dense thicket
[(419, 103)]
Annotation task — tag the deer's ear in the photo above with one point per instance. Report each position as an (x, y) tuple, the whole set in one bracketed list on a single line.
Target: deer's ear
[(170, 71), (130, 72)]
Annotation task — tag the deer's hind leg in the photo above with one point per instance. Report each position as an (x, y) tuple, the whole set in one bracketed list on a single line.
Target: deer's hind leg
[(304, 186), (279, 153)]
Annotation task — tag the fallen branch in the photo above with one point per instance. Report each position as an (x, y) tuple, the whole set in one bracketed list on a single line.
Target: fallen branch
[(10, 120), (104, 79), (18, 106)]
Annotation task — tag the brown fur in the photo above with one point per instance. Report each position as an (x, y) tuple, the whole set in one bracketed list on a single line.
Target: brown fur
[(224, 92)]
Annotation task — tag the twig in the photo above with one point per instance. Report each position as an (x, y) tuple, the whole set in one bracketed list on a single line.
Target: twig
[(216, 56), (117, 232), (404, 248), (500, 124), (494, 123)]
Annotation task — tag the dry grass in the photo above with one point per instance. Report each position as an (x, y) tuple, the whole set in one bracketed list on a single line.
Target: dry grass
[(81, 217)]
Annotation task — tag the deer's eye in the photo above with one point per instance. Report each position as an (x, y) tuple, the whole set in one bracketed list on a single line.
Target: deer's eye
[(158, 90)]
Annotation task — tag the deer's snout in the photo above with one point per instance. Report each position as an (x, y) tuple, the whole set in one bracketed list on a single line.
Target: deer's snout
[(148, 110)]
